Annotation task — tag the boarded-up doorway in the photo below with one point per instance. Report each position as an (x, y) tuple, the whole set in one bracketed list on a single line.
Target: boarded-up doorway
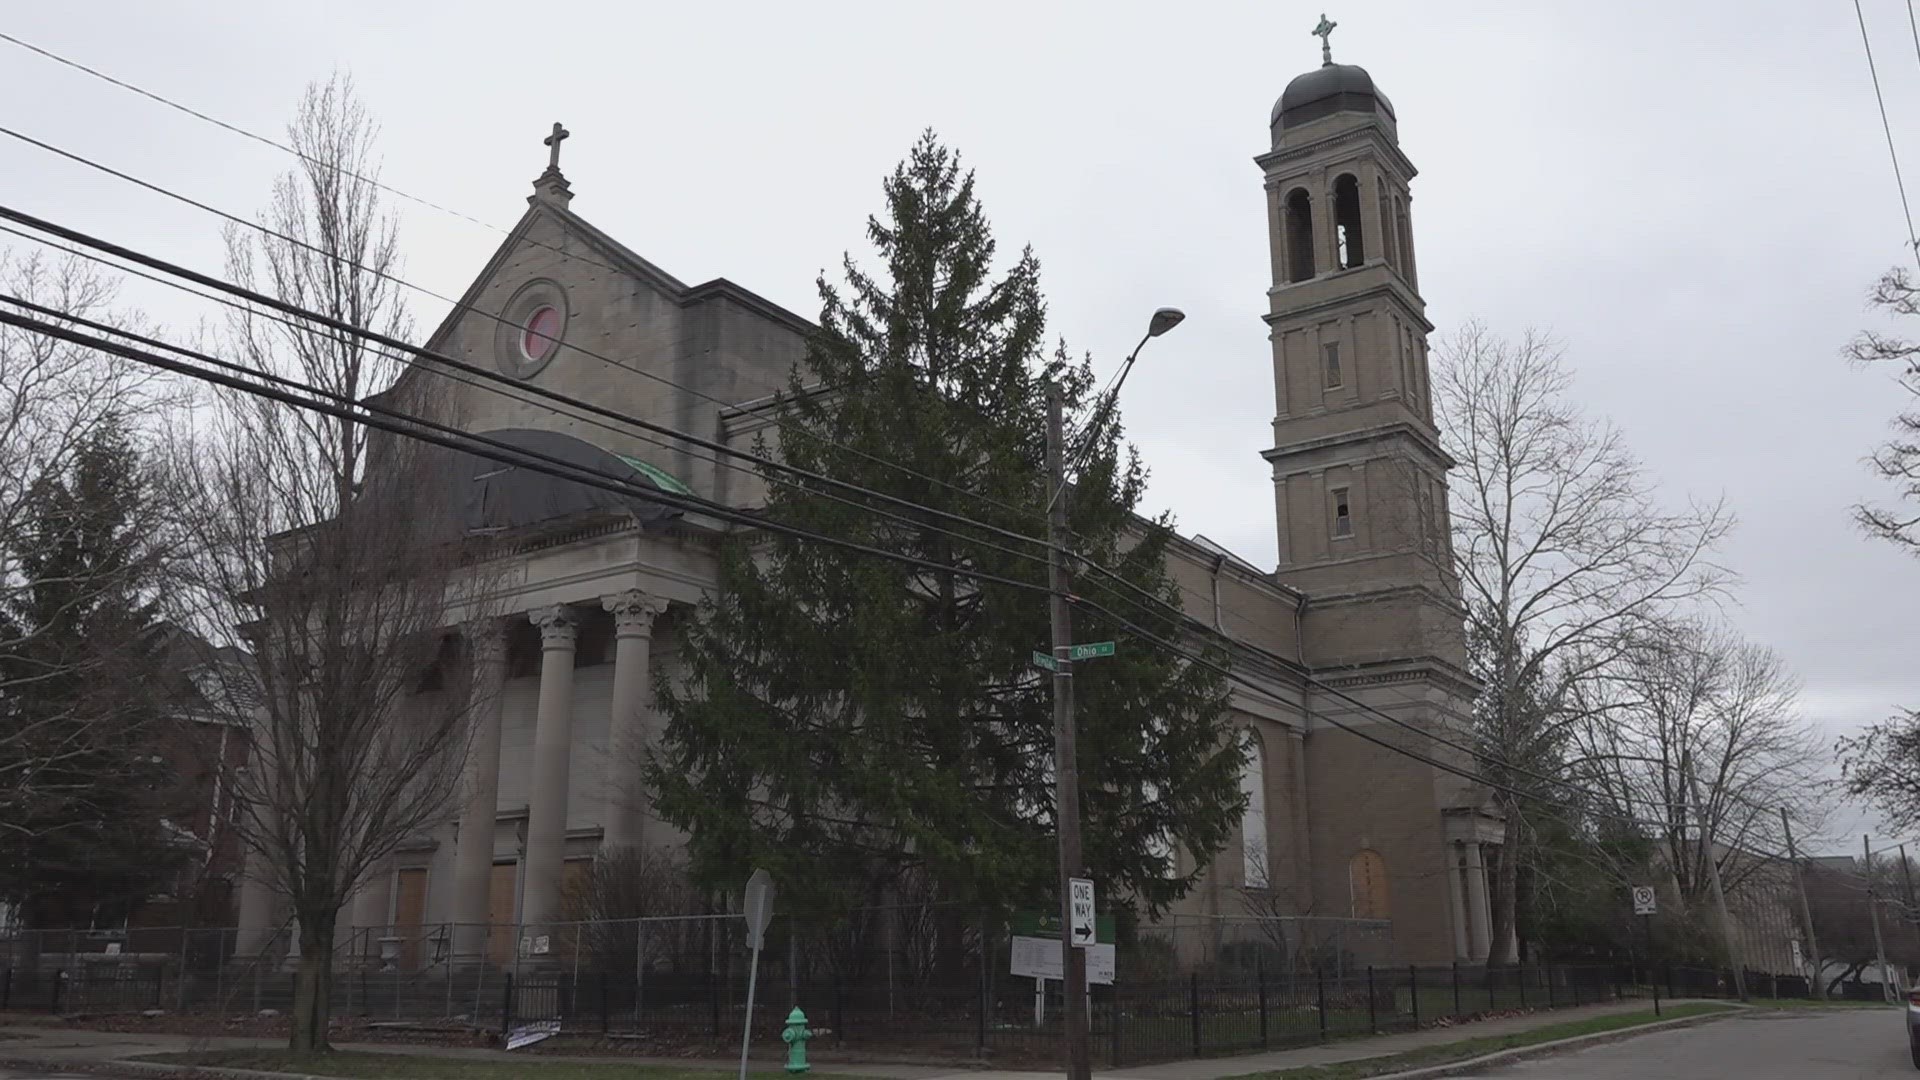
[(500, 896), (409, 912)]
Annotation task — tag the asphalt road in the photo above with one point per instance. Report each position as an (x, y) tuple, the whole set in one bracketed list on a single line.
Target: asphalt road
[(1842, 1044)]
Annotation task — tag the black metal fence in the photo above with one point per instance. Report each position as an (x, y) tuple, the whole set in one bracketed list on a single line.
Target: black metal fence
[(996, 1016)]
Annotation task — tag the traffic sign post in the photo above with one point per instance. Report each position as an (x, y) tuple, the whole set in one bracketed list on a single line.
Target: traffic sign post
[(759, 912)]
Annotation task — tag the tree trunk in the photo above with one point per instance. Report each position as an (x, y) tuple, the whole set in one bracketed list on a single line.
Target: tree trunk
[(1504, 898), (313, 985)]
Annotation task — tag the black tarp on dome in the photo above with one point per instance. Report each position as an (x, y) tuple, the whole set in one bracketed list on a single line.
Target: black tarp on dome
[(495, 496)]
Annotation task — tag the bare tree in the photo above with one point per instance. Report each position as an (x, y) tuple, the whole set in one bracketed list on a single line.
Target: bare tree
[(339, 561), (1693, 704), (1882, 765), (1898, 459), (1560, 547)]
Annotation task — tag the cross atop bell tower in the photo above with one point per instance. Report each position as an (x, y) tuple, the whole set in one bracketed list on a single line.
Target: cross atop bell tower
[(552, 186), (1324, 32), (1358, 472)]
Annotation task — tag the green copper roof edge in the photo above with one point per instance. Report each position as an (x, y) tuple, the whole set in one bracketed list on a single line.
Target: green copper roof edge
[(658, 475)]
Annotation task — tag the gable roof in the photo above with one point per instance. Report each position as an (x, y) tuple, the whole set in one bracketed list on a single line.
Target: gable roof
[(616, 255)]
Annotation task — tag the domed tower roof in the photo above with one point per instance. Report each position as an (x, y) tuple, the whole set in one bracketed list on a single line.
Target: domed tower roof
[(1332, 88)]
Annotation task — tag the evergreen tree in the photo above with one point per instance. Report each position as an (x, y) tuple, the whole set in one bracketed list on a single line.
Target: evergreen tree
[(79, 700), (851, 722)]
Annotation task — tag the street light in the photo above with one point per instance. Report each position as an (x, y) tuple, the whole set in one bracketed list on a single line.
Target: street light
[(1066, 770), (1164, 319)]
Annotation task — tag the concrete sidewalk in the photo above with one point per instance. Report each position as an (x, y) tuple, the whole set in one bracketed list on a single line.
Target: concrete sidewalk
[(56, 1047)]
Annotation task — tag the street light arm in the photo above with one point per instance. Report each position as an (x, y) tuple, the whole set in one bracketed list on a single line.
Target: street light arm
[(1090, 437)]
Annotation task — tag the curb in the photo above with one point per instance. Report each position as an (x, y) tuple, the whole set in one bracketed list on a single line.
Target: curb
[(1576, 1042), (118, 1067)]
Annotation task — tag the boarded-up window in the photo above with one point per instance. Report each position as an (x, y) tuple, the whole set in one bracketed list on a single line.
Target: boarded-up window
[(1367, 880), (1253, 823)]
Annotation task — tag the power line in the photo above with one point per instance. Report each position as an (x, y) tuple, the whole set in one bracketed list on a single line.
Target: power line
[(378, 416), (1913, 243), (457, 306), (339, 326)]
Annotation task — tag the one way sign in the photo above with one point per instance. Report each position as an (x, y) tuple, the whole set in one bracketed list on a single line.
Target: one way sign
[(1080, 892)]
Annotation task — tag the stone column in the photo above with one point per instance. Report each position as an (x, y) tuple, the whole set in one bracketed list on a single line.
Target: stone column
[(256, 906), (633, 615), (1302, 828), (552, 744), (480, 788), (1457, 901), (1479, 924)]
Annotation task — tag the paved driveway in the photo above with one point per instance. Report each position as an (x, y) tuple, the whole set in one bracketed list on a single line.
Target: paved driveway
[(1842, 1044)]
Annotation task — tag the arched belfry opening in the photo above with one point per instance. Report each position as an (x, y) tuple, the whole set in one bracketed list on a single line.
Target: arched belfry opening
[(1350, 249), (1299, 230)]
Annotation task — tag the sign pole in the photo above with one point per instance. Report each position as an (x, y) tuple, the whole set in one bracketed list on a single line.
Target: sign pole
[(1066, 764), (759, 910)]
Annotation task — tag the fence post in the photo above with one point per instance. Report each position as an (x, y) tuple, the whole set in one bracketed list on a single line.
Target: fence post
[(160, 975), (980, 1025), (1456, 989), (1320, 976), (1670, 978), (1413, 992), (1260, 980), (1486, 973), (506, 1004), (1549, 970), (1373, 1015), (839, 1008), (605, 1021), (59, 980), (1520, 976), (1113, 1024), (1656, 997), (1573, 983), (1193, 1008)]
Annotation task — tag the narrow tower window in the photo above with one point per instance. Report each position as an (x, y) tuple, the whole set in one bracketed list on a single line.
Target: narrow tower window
[(1386, 216), (1346, 217), (1330, 358), (1299, 230), (1342, 513)]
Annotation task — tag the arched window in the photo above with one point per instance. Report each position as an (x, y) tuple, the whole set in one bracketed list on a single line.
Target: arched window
[(1367, 882), (1299, 229), (1351, 250), (1253, 822), (1386, 218)]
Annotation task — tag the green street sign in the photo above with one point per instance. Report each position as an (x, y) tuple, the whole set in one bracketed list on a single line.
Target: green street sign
[(1046, 924), (1078, 652)]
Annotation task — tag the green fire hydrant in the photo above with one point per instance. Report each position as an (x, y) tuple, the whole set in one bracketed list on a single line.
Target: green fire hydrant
[(796, 1036)]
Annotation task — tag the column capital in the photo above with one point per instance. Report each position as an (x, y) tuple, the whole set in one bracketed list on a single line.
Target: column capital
[(634, 611), (485, 636), (558, 626)]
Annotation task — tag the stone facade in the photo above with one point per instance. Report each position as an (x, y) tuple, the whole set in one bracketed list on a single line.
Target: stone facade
[(1352, 642)]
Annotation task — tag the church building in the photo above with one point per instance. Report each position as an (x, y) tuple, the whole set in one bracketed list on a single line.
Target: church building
[(1352, 641)]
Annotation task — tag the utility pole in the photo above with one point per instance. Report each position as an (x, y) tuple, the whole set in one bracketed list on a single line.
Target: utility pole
[(1719, 894), (1806, 910), (1873, 909), (1066, 765), (1906, 871)]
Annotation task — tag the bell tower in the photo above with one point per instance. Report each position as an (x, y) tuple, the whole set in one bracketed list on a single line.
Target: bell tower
[(1358, 472)]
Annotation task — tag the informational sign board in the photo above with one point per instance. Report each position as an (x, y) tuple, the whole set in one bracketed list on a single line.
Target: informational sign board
[(528, 1034), (1039, 958), (1643, 900), (1080, 893)]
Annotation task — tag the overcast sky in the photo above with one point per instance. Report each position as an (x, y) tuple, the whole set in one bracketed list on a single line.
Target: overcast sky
[(1693, 197)]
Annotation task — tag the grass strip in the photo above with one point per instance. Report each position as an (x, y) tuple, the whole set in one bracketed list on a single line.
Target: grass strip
[(1446, 1053)]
